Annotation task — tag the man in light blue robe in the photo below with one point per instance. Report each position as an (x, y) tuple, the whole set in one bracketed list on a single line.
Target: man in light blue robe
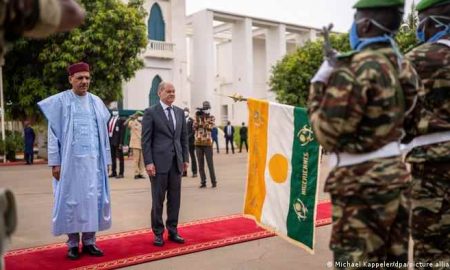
[(79, 154)]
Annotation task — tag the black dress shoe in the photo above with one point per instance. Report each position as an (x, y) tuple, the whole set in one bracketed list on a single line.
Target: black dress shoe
[(214, 185), (140, 176), (73, 253), (158, 241), (92, 250), (194, 175), (176, 238), (202, 186), (113, 175), (119, 176)]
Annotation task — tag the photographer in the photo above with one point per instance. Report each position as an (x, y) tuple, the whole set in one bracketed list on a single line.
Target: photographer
[(203, 125)]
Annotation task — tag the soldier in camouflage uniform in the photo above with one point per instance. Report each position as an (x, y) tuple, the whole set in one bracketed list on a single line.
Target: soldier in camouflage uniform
[(430, 159), (357, 108), (36, 18)]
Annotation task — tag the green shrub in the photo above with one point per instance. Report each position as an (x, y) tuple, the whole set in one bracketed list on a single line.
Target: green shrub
[(12, 144)]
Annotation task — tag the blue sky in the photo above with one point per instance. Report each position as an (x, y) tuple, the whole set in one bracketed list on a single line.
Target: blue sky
[(315, 13)]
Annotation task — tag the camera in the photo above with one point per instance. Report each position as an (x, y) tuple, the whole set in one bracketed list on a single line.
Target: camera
[(205, 107)]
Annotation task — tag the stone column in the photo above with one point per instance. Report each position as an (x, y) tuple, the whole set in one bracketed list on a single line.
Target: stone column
[(242, 59), (179, 69), (313, 35), (203, 64), (275, 50)]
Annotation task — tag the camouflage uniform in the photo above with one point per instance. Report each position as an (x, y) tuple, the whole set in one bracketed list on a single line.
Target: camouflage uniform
[(431, 163), (360, 110), (31, 18)]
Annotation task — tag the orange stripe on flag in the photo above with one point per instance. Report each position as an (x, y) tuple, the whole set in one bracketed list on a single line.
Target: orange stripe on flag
[(256, 190)]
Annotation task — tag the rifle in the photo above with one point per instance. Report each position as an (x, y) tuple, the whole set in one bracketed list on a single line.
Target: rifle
[(328, 51)]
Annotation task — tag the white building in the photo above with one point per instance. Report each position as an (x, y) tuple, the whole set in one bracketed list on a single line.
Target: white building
[(164, 58), (209, 55)]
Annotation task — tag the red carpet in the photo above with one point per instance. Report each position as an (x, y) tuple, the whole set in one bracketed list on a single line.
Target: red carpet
[(135, 247)]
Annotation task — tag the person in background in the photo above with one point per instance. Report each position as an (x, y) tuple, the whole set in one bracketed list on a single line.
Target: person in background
[(29, 137), (79, 155), (135, 126), (215, 137), (203, 125), (243, 140), (116, 131), (229, 136), (191, 142)]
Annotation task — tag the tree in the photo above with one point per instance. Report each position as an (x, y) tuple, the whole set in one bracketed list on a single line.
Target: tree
[(406, 38), (291, 76), (110, 40)]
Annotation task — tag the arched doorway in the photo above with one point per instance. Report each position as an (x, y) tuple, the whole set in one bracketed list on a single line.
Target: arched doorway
[(153, 97)]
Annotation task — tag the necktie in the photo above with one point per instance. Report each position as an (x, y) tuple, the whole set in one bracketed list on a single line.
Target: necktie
[(169, 113), (112, 124)]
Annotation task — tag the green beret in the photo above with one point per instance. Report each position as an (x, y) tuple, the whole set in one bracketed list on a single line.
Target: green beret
[(424, 4), (378, 3)]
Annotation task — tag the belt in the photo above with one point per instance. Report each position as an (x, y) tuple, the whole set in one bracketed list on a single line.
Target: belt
[(346, 159), (427, 139)]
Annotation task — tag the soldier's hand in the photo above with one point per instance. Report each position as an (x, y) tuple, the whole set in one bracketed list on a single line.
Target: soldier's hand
[(151, 170), (56, 172), (185, 166), (72, 15)]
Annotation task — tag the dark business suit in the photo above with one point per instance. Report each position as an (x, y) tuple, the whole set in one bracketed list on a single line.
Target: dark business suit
[(191, 140), (116, 143), (243, 135), (29, 143), (229, 135), (167, 148)]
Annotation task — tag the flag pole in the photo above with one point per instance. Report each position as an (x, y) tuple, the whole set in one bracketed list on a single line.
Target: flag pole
[(2, 108), (237, 97)]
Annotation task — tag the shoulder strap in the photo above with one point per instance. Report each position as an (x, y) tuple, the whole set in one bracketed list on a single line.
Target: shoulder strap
[(445, 42)]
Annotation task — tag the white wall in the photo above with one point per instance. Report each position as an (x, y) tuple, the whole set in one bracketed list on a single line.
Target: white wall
[(260, 76)]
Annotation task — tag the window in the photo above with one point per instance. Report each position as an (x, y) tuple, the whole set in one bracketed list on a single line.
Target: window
[(156, 25), (153, 97)]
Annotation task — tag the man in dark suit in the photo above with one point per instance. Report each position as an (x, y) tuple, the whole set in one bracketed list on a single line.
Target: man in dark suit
[(116, 132), (191, 140), (29, 137), (165, 149), (229, 135), (243, 134)]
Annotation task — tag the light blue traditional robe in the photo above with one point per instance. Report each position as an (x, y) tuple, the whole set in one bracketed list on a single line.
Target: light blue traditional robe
[(78, 142)]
